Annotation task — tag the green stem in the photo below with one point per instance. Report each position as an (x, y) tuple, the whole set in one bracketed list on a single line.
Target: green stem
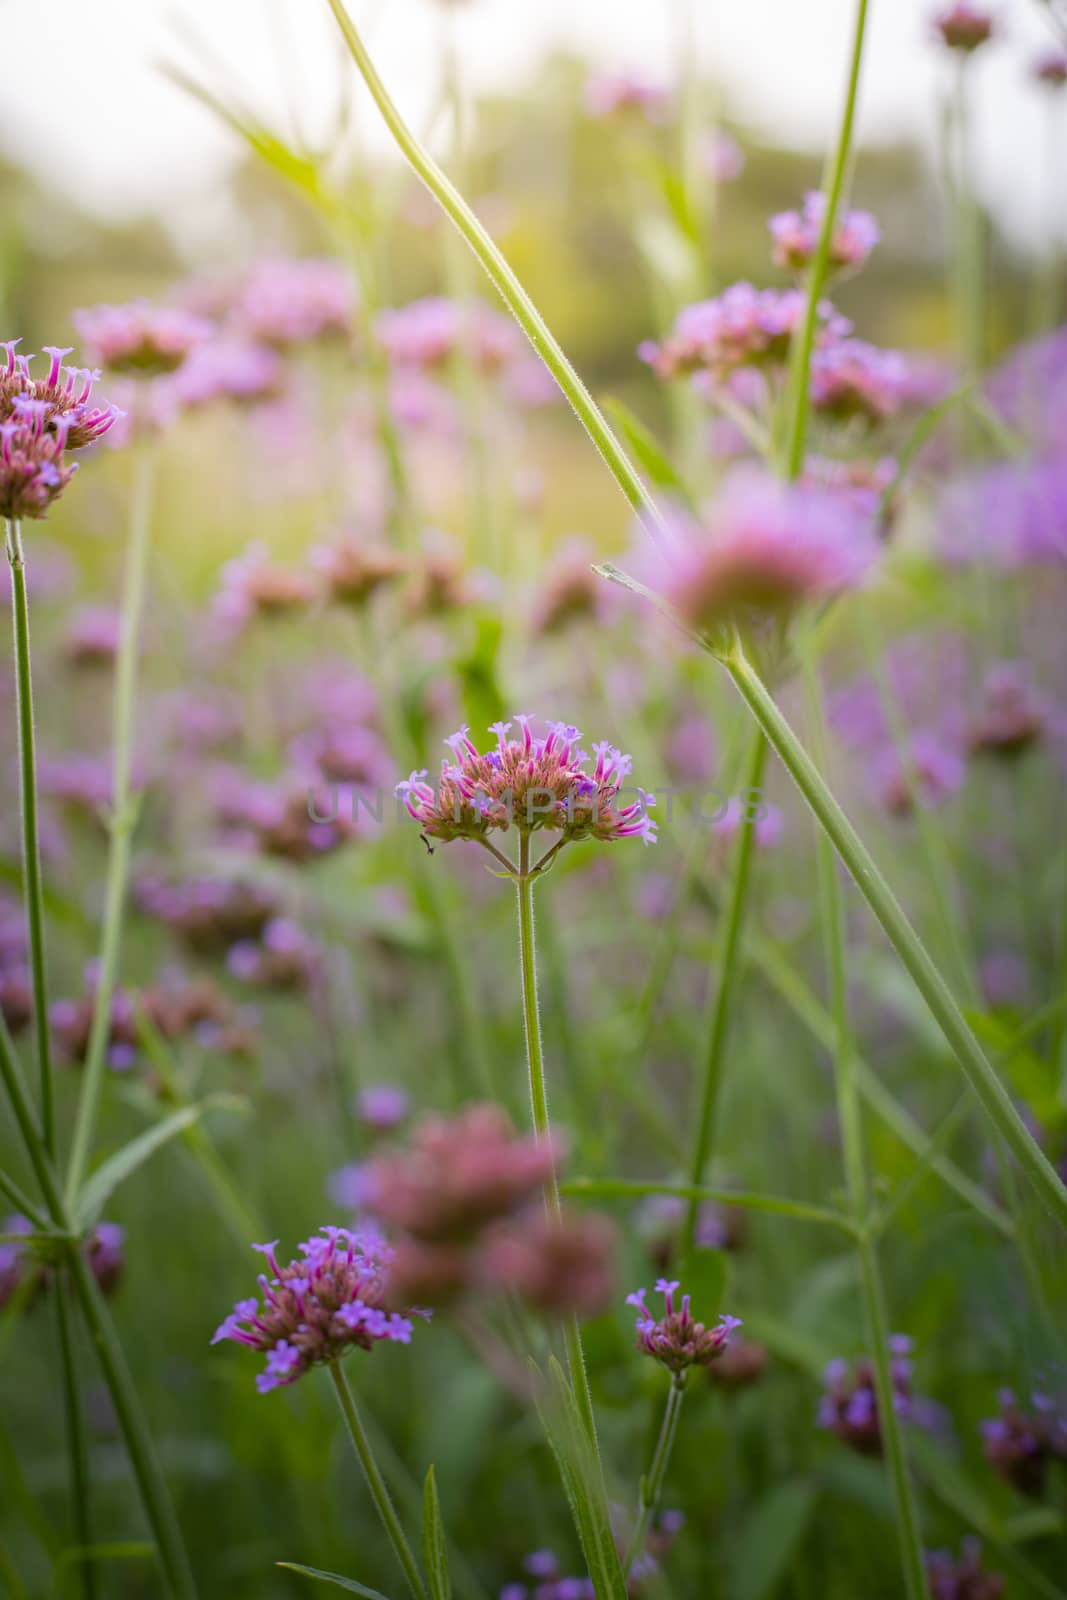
[(850, 1119), (31, 851), (504, 280), (994, 1098), (804, 343), (77, 1448), (123, 817), (652, 1481), (729, 970), (22, 1203), (376, 1483)]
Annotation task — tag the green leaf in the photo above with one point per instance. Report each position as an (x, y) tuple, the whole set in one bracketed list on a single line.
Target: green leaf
[(1030, 1078), (101, 1184), (332, 1577), (582, 1484), (650, 457), (434, 1549), (770, 1537)]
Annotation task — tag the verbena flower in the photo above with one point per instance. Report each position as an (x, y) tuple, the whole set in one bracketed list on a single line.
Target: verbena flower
[(92, 637), (849, 1406), (140, 338), (1007, 516), (964, 27), (1012, 716), (283, 957), (1050, 68), (209, 914), (287, 303), (766, 549), (724, 159), (742, 327), (353, 569), (427, 334), (741, 1364), (795, 235), (252, 585), (102, 1248), (554, 1265), (852, 380), (1020, 1444), (964, 1579), (926, 771), (676, 1339), (229, 368), (72, 415), (382, 1106), (332, 1299), (530, 783), (607, 93)]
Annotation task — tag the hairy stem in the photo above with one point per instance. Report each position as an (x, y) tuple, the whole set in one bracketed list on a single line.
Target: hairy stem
[(31, 850), (376, 1483), (123, 816), (652, 1481)]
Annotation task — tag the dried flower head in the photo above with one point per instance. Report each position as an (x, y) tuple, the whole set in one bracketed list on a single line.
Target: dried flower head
[(317, 1308), (141, 339), (795, 236), (529, 783), (676, 1339)]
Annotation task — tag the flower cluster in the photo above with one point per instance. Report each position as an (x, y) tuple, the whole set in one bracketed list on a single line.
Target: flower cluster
[(208, 914), (1021, 1445), (849, 1405), (852, 380), (545, 1579), (795, 235), (428, 333), (964, 1579), (282, 303), (176, 1007), (1050, 68), (353, 569), (282, 957), (139, 338), (529, 783), (964, 26), (103, 1249), (607, 93), (316, 1309), (463, 1203), (16, 986), (742, 327), (768, 547), (676, 1340), (41, 420), (1012, 716)]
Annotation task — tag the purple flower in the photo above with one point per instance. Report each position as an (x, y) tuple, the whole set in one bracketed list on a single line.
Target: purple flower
[(950, 1579), (724, 160), (529, 783), (93, 636), (766, 549), (849, 1405), (427, 333), (855, 381), (140, 338), (742, 327), (964, 26), (927, 772), (676, 1340), (1007, 516), (796, 235), (317, 1308), (12, 1257), (228, 368), (296, 302), (382, 1106), (1020, 1444), (607, 93), (1050, 68)]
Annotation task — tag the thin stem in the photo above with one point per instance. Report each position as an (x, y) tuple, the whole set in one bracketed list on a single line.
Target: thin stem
[(804, 343), (123, 816), (503, 278), (375, 1482), (22, 1203), (77, 1449), (652, 1481), (850, 1119), (729, 970), (992, 1095), (31, 851)]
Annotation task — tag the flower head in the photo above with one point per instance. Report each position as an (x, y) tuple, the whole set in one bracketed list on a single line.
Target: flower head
[(1013, 714), (41, 421), (724, 159), (742, 327), (140, 338), (964, 1579), (768, 548), (676, 1339), (529, 782), (795, 235), (285, 303), (427, 333), (317, 1308), (964, 26), (1050, 68), (849, 1406), (607, 93), (855, 381), (1020, 1444)]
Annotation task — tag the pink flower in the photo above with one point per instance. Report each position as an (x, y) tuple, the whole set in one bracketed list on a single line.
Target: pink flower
[(676, 1339), (428, 333), (964, 27), (853, 380), (796, 235), (609, 92), (296, 302), (742, 327), (1050, 68), (724, 158), (140, 338)]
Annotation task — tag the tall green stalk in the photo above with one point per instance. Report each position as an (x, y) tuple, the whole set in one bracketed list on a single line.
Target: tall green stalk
[(77, 1449), (652, 1480), (376, 1483), (725, 994), (850, 1119), (991, 1093), (123, 814), (31, 849)]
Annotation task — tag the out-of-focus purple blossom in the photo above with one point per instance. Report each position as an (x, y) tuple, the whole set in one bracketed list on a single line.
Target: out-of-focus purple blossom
[(229, 369), (252, 585), (428, 333), (1006, 516), (105, 1252), (346, 1187), (297, 817), (553, 1264), (1012, 715), (661, 1217), (382, 1106), (765, 549), (675, 1339), (741, 1365), (530, 783), (849, 1405), (354, 569), (655, 896), (855, 381), (607, 93), (83, 781), (795, 235), (284, 957), (316, 1309), (141, 338), (296, 302), (209, 914), (768, 825), (964, 26), (92, 637), (1029, 390), (1050, 68), (571, 591), (12, 1257), (861, 482), (1020, 1444), (928, 772), (742, 327), (724, 159), (964, 1579)]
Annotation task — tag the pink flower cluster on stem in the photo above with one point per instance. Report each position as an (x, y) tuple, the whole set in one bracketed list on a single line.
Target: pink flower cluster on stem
[(676, 1339)]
